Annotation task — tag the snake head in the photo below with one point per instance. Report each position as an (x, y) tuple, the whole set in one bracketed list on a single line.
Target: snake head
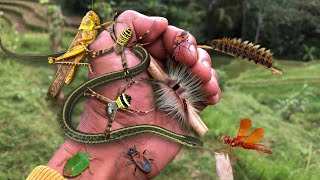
[(51, 60)]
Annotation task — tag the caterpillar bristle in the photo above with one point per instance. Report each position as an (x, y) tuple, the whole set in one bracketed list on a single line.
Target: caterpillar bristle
[(256, 47), (261, 50), (245, 50)]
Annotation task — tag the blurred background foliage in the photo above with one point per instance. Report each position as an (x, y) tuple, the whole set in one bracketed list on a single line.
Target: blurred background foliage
[(261, 21)]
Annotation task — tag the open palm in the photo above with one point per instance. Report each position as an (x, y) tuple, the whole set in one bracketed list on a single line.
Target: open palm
[(109, 160)]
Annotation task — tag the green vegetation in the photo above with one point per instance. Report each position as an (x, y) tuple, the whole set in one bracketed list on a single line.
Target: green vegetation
[(256, 93), (286, 106), (28, 122)]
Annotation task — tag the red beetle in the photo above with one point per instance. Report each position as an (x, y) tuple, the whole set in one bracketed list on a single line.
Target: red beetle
[(182, 38), (140, 160)]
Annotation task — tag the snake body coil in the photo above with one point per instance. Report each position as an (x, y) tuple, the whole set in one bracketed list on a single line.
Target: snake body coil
[(65, 120)]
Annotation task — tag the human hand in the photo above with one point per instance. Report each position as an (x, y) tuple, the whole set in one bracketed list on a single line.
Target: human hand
[(109, 159)]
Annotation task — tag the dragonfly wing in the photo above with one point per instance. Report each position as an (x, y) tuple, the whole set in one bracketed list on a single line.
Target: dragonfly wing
[(254, 137), (245, 126), (58, 80)]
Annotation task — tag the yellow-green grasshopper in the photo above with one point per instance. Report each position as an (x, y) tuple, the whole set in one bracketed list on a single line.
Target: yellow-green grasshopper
[(77, 51)]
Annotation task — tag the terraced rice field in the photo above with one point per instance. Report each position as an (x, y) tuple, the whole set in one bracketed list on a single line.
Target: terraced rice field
[(31, 16)]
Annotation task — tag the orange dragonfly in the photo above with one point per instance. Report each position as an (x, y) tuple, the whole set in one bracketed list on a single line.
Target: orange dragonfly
[(250, 142)]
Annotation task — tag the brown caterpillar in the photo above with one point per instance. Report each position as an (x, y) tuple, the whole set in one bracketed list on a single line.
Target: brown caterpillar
[(244, 50)]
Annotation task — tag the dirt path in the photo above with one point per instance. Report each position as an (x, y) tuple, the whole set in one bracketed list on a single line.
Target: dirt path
[(16, 21), (31, 17)]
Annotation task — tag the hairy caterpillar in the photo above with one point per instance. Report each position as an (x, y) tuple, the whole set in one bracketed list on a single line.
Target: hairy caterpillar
[(244, 50), (173, 94)]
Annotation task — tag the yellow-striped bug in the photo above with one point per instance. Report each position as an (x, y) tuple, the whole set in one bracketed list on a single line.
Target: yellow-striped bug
[(118, 48), (120, 45), (121, 103)]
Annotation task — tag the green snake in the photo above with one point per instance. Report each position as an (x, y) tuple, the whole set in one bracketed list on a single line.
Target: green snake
[(65, 119), (29, 57), (73, 98)]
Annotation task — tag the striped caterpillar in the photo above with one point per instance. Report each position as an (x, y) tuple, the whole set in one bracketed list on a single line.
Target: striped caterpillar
[(244, 50)]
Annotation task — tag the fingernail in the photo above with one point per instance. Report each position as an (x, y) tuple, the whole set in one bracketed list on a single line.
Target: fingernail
[(214, 74), (216, 98), (205, 63), (214, 80), (193, 51)]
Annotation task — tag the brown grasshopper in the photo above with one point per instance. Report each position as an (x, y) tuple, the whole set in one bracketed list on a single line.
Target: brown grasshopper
[(76, 53)]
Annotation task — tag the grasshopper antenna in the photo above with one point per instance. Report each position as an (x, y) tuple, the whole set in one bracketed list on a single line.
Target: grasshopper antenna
[(92, 5)]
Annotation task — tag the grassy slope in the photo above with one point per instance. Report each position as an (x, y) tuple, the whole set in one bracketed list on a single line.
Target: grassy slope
[(253, 92), (28, 121)]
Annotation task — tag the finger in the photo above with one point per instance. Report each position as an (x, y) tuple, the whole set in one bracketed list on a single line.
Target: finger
[(213, 99), (211, 88), (157, 50), (146, 29), (184, 51), (214, 74), (202, 68), (149, 27)]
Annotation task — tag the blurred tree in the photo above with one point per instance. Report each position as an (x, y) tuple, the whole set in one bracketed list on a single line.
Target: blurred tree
[(186, 14), (55, 23), (223, 18), (282, 24), (75, 6), (104, 9)]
